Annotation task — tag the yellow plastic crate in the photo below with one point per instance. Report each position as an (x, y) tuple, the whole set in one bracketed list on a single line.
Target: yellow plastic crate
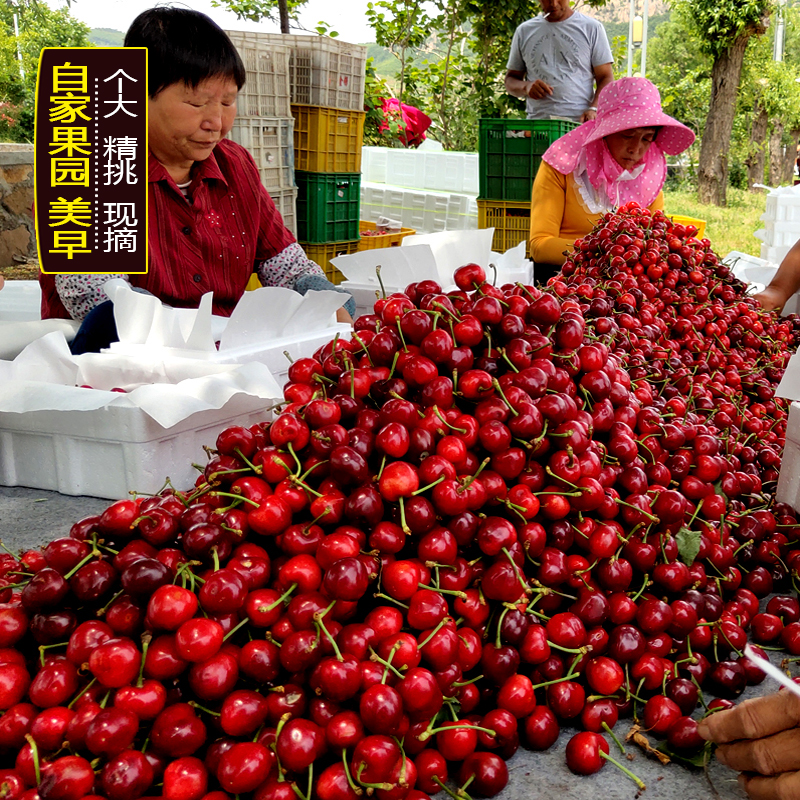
[(381, 239), (323, 253), (511, 223), (327, 139), (700, 224)]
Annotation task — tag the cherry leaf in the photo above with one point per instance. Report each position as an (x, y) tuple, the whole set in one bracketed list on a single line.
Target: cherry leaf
[(688, 545)]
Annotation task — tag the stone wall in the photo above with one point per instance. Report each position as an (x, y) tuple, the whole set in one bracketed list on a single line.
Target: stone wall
[(17, 236)]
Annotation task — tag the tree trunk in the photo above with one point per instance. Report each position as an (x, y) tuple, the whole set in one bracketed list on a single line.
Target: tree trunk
[(775, 152), (790, 158), (755, 158), (283, 11), (713, 168)]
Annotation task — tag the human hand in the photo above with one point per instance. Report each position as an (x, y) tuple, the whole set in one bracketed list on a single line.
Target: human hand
[(590, 113), (538, 90), (2, 281), (761, 739), (771, 299), (343, 316)]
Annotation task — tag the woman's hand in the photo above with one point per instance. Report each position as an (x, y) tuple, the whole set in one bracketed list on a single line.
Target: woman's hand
[(771, 299), (761, 739)]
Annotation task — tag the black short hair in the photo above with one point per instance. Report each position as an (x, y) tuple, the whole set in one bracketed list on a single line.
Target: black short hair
[(183, 46)]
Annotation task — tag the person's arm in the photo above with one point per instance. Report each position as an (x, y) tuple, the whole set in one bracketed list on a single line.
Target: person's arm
[(761, 739), (658, 203), (2, 281), (293, 269), (785, 283), (81, 293), (517, 86), (603, 75), (548, 200)]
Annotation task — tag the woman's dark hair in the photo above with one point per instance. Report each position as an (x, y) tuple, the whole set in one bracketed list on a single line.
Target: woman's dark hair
[(183, 46)]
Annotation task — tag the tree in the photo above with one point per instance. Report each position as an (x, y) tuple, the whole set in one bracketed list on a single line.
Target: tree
[(40, 26), (726, 27), (256, 10)]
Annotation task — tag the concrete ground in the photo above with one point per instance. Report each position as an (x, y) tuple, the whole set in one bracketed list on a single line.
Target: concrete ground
[(32, 517)]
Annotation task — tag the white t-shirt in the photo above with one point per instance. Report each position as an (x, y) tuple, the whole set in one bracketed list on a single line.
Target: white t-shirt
[(563, 55)]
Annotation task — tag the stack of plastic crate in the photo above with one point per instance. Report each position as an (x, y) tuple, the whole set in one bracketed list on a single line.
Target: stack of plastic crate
[(264, 123), (509, 154), (327, 92)]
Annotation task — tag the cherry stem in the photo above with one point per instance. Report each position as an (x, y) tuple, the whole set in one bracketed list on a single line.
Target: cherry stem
[(283, 597), (433, 633), (319, 622), (35, 752), (611, 733), (525, 587), (498, 642), (499, 389), (403, 523), (234, 629), (429, 486), (638, 781), (235, 496), (456, 592), (388, 662), (380, 281), (86, 560), (461, 726), (197, 705), (390, 598), (449, 791), (82, 692), (467, 683), (146, 639), (353, 785), (468, 482)]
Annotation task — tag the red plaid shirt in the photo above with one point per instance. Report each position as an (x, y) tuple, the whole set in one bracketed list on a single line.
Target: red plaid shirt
[(209, 245)]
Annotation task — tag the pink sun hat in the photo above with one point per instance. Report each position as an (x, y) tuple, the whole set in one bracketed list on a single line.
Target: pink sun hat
[(635, 103)]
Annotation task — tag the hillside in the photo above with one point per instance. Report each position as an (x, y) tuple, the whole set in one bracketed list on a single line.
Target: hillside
[(106, 37)]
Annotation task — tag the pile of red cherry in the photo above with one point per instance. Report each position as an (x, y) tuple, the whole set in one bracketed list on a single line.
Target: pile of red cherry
[(489, 513)]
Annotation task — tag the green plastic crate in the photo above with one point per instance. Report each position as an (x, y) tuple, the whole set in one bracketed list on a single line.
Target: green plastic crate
[(510, 152), (328, 206)]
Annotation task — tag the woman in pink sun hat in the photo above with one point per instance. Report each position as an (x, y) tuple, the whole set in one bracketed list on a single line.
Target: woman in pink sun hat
[(611, 160)]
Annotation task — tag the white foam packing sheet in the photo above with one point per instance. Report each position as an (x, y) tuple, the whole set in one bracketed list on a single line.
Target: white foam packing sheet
[(47, 377), (399, 266), (453, 249)]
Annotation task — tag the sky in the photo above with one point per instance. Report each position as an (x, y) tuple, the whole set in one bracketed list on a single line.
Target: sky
[(345, 16)]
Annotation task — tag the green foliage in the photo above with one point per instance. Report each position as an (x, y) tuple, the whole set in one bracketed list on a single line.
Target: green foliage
[(39, 27), (721, 22), (256, 10), (375, 89)]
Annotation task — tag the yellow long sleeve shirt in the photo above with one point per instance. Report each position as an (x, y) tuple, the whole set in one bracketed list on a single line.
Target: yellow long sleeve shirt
[(559, 217)]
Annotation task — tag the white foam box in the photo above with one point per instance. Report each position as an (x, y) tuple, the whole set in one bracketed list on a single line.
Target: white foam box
[(775, 253), (782, 208), (364, 295), (779, 234), (20, 301), (112, 450), (278, 354), (789, 479)]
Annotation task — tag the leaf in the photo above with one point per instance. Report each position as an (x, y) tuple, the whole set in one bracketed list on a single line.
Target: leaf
[(688, 545), (700, 759)]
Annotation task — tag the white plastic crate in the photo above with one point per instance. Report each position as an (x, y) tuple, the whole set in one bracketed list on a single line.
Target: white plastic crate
[(326, 72), (112, 450), (779, 234), (271, 143), (450, 172), (266, 90), (286, 203)]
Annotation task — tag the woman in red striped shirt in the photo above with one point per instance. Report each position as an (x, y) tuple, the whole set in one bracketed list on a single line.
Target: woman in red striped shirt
[(211, 221)]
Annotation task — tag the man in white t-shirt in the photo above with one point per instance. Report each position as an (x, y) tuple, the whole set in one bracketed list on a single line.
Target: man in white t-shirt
[(559, 62)]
